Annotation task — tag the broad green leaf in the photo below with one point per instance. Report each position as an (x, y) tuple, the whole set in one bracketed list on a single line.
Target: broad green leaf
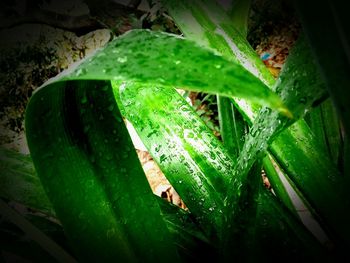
[(188, 153), (121, 60), (170, 60), (85, 160), (187, 236), (165, 127)]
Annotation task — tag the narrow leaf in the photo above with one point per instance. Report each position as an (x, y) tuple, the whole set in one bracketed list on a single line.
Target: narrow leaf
[(230, 126)]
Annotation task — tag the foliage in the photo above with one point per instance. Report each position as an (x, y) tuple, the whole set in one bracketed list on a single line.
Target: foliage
[(83, 155)]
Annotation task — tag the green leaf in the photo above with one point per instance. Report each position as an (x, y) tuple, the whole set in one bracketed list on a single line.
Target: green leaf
[(191, 157), (240, 221), (315, 176), (239, 14), (202, 25), (210, 27), (170, 60), (272, 170), (85, 160), (326, 127), (274, 221), (190, 240), (329, 39), (268, 124), (231, 126)]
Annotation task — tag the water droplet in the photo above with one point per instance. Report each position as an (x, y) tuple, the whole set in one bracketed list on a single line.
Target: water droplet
[(157, 148), (212, 155), (80, 72), (106, 70), (162, 158), (122, 59)]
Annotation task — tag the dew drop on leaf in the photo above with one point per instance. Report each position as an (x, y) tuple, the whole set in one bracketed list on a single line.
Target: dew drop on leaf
[(81, 72), (122, 59)]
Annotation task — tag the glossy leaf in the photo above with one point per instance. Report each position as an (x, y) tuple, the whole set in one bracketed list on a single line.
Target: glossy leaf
[(231, 126), (188, 153), (323, 34), (326, 127), (93, 178), (187, 236), (210, 27), (198, 22), (165, 59), (202, 24)]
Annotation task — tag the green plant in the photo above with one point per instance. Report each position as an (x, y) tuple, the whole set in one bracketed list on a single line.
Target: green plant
[(85, 159)]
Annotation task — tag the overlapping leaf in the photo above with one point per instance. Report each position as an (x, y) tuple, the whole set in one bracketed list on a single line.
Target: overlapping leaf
[(84, 157)]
